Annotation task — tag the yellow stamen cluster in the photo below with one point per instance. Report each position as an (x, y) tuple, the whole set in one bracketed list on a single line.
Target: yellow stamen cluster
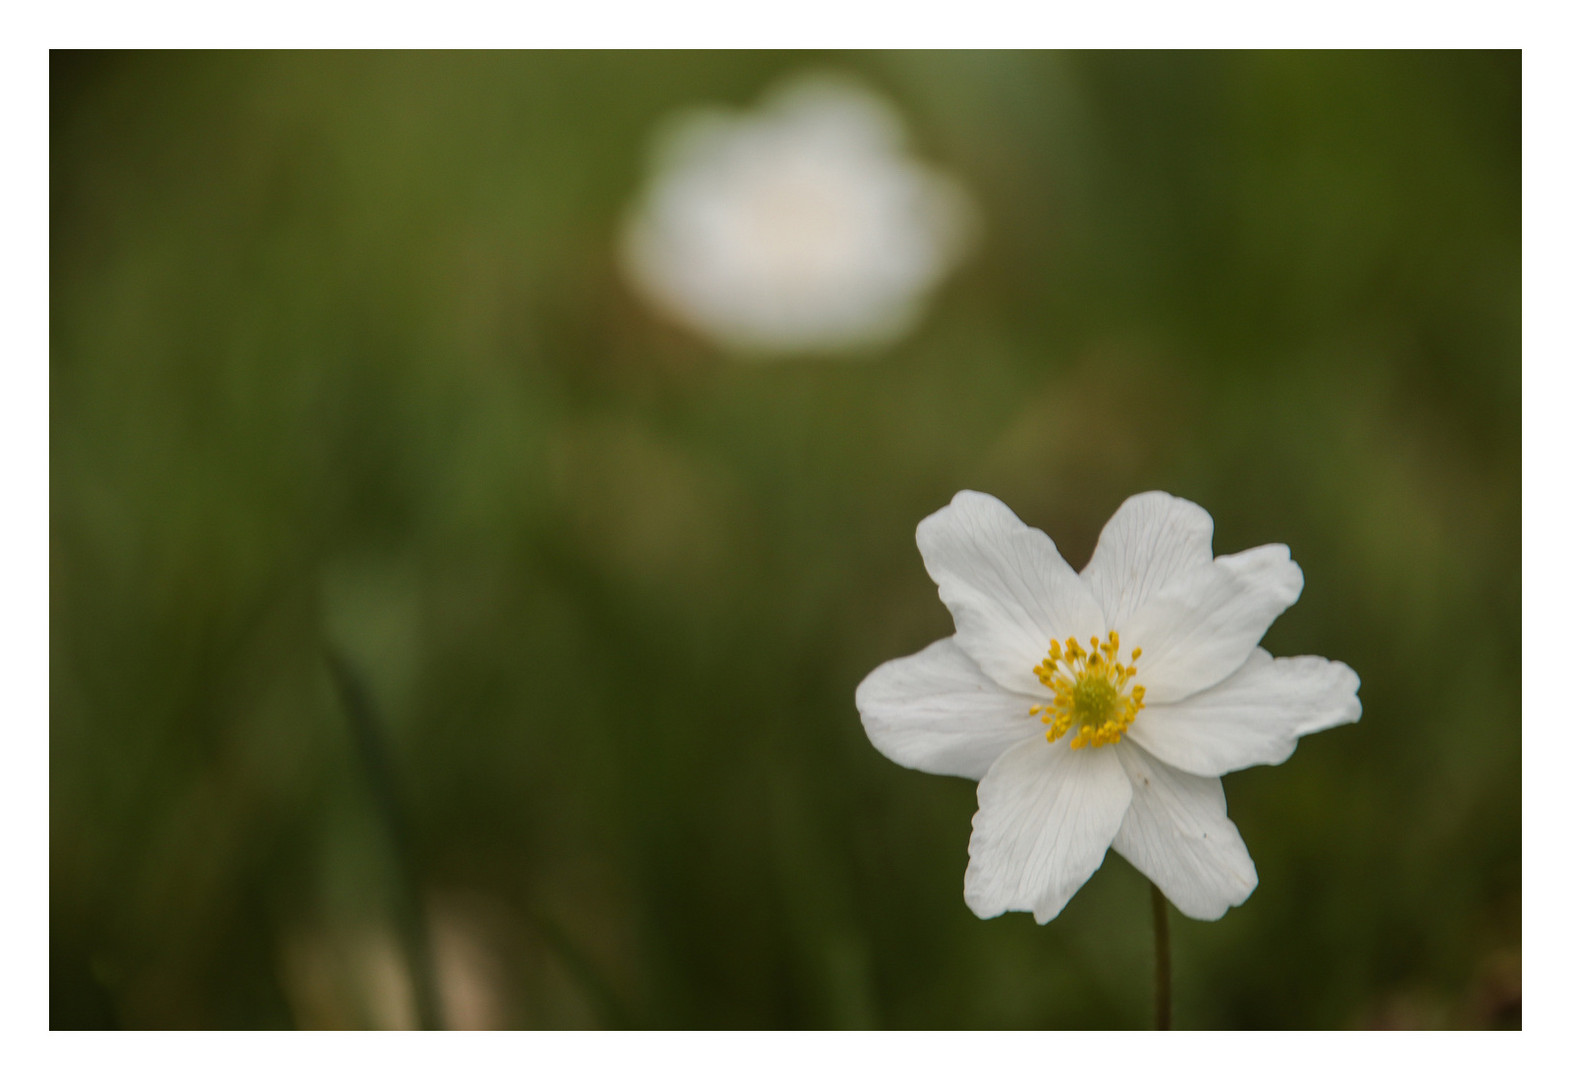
[(1088, 692)]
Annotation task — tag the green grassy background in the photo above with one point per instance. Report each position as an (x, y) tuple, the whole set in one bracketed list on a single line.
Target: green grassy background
[(341, 367)]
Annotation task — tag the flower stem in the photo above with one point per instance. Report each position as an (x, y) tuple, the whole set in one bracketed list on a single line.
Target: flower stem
[(1164, 962)]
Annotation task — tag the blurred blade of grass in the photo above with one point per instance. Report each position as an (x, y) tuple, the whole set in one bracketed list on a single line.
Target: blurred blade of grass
[(360, 712)]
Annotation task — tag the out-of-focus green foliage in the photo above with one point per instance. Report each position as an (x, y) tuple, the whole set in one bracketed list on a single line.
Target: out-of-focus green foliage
[(341, 365)]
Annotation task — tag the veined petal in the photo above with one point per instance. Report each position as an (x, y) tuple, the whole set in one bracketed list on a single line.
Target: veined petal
[(1009, 590), (938, 712), (1045, 817), (1177, 834), (1255, 716), (1201, 626), (1153, 538)]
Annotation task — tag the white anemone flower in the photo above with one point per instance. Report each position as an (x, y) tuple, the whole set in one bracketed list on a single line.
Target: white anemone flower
[(1099, 709), (802, 227)]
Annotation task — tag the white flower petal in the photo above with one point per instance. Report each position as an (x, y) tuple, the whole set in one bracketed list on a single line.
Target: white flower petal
[(1153, 538), (1009, 590), (1177, 834), (1201, 626), (936, 711), (1255, 716), (1045, 817)]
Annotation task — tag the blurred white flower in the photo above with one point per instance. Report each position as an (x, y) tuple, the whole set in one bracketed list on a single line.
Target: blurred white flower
[(1202, 700), (801, 227)]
